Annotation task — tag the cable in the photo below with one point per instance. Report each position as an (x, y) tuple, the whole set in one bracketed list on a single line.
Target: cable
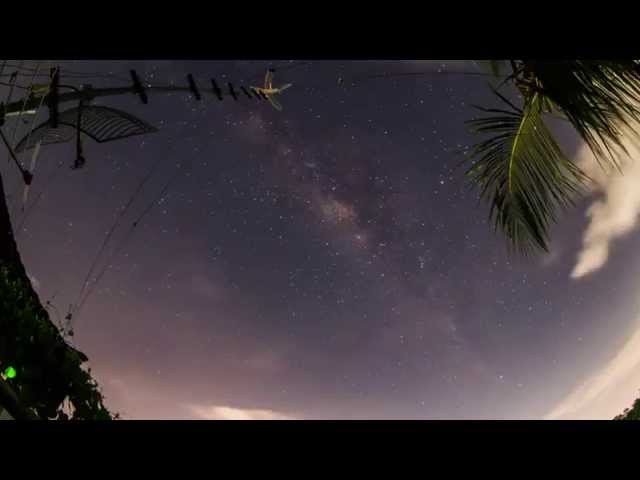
[(133, 227), (292, 66), (52, 176), (20, 87), (18, 74), (34, 158), (33, 120), (72, 73), (48, 305), (15, 130), (112, 230), (66, 76), (25, 173), (423, 73), (24, 104), (12, 86), (130, 233), (284, 68), (7, 101), (21, 66)]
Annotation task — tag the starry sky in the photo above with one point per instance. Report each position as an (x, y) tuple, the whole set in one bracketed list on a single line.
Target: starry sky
[(326, 261)]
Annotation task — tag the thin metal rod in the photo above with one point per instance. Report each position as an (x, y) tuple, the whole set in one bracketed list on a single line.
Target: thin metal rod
[(88, 94)]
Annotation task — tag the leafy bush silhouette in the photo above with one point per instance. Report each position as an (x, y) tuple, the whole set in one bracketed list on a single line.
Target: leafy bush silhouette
[(49, 371)]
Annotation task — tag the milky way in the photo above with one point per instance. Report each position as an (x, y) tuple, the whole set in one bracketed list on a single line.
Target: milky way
[(326, 261)]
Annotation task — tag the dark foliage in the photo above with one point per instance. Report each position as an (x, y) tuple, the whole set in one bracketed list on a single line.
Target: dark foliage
[(49, 372)]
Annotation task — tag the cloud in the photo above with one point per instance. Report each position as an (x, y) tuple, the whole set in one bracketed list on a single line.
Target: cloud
[(615, 213), (220, 412), (135, 397), (606, 392)]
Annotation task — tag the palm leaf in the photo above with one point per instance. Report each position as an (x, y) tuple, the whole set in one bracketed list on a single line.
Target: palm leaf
[(523, 173), (601, 99)]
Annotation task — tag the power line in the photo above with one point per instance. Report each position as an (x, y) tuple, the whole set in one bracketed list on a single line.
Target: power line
[(7, 101), (136, 223), (50, 179), (118, 249), (13, 141), (15, 129), (53, 99), (65, 75), (34, 159), (115, 224), (68, 73), (419, 74), (25, 174), (13, 85)]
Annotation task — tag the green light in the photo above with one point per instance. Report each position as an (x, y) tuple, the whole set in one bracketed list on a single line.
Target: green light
[(10, 372)]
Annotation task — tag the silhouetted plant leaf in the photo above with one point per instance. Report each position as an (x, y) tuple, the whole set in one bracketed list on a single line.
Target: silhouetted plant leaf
[(522, 172)]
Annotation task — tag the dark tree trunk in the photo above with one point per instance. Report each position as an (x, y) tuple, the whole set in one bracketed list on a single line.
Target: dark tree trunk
[(8, 248)]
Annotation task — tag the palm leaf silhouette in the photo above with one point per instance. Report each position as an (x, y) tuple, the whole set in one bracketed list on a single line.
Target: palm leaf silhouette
[(600, 98), (522, 172)]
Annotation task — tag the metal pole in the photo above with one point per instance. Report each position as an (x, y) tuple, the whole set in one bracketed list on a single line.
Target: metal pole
[(87, 94)]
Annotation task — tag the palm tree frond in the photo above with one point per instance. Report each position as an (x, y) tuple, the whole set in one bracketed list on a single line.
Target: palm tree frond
[(521, 170), (601, 99)]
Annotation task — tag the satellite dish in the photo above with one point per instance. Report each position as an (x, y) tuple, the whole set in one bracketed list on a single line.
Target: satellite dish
[(102, 124)]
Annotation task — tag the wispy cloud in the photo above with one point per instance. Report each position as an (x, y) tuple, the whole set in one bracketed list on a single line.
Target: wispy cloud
[(135, 397), (221, 412), (614, 214), (606, 392)]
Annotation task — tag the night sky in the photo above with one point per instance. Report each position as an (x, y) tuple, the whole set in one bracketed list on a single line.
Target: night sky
[(326, 261)]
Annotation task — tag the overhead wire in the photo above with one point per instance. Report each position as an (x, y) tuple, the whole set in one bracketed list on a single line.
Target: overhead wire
[(11, 86), (26, 187), (421, 73), (85, 292), (134, 225), (115, 252), (87, 286), (71, 73), (34, 158), (48, 182), (49, 305), (24, 104), (129, 233), (12, 154), (73, 311)]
